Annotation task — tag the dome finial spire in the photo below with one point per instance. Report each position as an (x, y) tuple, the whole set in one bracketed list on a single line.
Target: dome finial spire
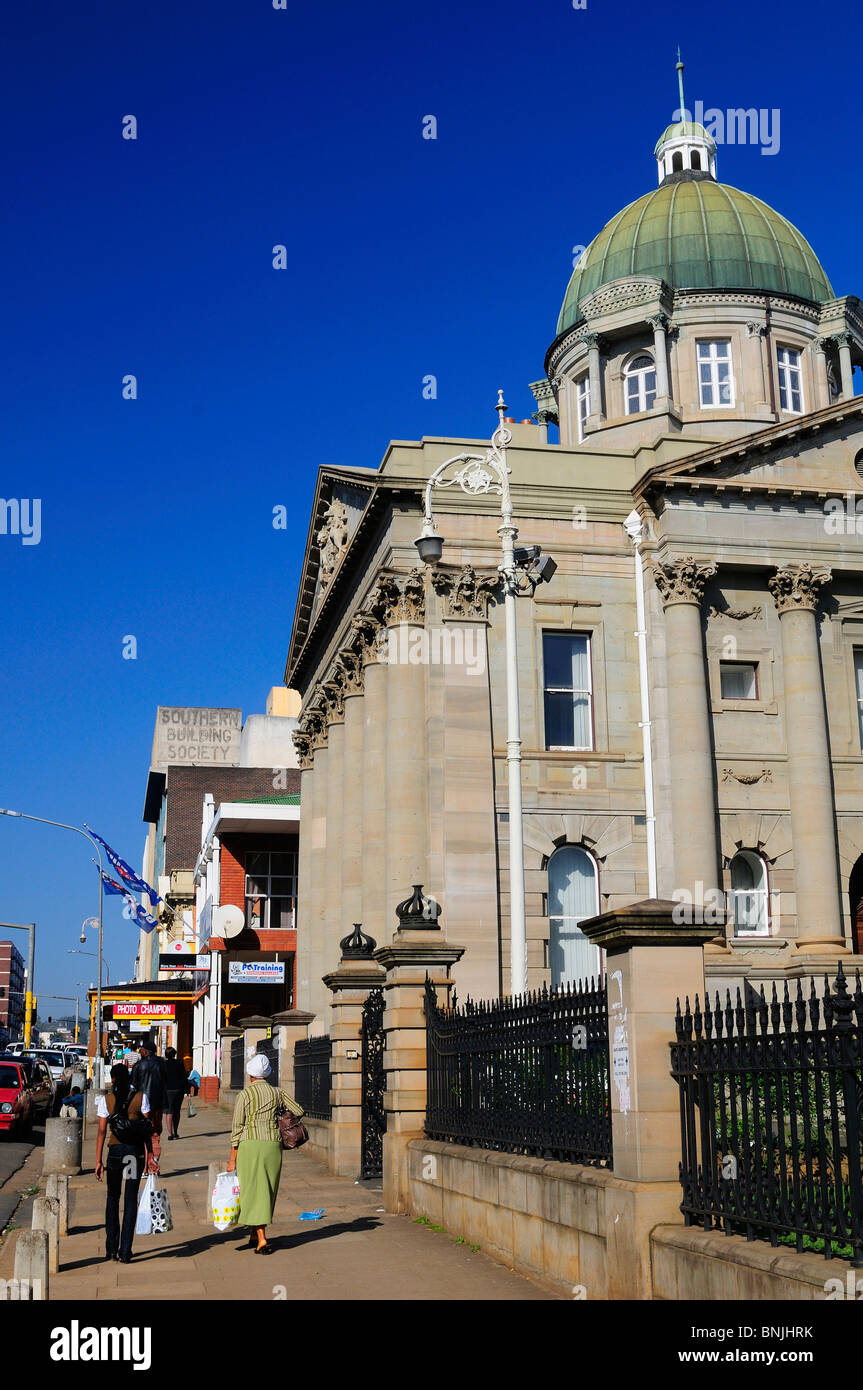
[(679, 66)]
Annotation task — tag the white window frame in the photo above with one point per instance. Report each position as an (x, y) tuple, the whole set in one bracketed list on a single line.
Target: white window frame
[(639, 376), (790, 373), (574, 921), (764, 929), (571, 690), (711, 359), (581, 387), (858, 666)]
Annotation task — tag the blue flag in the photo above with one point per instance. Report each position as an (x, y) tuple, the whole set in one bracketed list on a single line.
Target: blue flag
[(132, 910), (126, 872)]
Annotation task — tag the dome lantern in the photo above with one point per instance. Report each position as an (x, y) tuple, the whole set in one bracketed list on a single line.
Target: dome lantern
[(684, 148)]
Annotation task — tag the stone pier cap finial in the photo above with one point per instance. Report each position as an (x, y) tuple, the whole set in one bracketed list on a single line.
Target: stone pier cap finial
[(418, 912), (358, 945), (650, 922)]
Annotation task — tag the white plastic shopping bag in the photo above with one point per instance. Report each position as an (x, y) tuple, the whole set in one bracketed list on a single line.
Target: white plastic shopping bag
[(154, 1210), (225, 1201)]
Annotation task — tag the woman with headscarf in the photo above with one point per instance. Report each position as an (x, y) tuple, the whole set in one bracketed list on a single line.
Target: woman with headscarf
[(256, 1150)]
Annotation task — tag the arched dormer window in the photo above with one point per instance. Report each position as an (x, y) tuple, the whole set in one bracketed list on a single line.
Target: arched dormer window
[(640, 383), (749, 898), (573, 895), (695, 159), (676, 162)]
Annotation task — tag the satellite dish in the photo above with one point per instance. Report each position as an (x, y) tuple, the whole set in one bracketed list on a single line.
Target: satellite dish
[(228, 921)]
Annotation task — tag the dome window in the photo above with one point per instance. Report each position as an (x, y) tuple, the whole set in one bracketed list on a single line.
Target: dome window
[(676, 162), (790, 380), (640, 382), (695, 160), (715, 382)]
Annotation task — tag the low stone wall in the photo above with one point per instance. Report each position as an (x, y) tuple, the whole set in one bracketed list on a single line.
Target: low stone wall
[(706, 1265), (545, 1219), (319, 1138)]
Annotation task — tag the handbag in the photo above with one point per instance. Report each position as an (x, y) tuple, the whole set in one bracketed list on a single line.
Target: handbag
[(191, 1108), (292, 1131), (126, 1130)]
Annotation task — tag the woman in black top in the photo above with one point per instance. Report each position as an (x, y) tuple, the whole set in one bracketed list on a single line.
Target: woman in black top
[(176, 1084)]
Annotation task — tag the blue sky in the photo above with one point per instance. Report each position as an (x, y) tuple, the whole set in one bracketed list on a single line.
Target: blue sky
[(406, 257)]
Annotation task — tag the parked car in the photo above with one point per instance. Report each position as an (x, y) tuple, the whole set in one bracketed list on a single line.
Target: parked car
[(27, 1093), (59, 1067), (14, 1048)]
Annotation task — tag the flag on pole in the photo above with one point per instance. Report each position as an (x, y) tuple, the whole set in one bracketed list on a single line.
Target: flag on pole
[(133, 910), (126, 872)]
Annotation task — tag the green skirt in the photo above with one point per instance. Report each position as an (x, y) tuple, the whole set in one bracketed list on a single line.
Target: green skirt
[(259, 1167)]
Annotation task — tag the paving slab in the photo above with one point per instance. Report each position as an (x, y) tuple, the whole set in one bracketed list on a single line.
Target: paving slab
[(358, 1251)]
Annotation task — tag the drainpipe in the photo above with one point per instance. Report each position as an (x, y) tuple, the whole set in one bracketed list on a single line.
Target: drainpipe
[(634, 528)]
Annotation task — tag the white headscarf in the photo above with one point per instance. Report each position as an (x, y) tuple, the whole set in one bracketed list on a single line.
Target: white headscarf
[(258, 1066)]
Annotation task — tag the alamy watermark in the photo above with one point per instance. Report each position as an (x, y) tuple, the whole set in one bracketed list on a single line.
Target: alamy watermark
[(435, 646), (21, 517), (736, 125)]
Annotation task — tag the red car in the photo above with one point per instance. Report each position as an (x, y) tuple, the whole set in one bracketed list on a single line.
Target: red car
[(26, 1094)]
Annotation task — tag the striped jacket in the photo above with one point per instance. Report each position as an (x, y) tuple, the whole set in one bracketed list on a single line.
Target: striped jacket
[(255, 1112)]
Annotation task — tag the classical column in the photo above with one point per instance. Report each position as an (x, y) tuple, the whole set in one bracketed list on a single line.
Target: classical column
[(406, 797), (333, 909), (311, 994), (693, 797), (843, 341), (822, 384), (357, 974), (795, 589), (374, 818), (659, 324), (593, 342), (350, 661), (758, 331), (302, 913)]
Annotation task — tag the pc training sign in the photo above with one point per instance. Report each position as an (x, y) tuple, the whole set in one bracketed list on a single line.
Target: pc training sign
[(256, 972)]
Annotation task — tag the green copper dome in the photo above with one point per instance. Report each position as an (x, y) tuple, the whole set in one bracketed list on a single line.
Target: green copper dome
[(684, 130), (695, 233)]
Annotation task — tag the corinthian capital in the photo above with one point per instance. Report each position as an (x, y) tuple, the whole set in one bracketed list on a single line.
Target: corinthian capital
[(798, 586), (466, 594), (350, 662), (303, 744), (683, 580)]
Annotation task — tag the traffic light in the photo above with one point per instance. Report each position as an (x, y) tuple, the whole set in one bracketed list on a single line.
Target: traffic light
[(50, 1019)]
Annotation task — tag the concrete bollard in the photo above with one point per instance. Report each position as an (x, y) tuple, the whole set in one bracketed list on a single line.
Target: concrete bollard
[(216, 1167), (31, 1268), (91, 1100), (46, 1217), (58, 1186), (62, 1146)]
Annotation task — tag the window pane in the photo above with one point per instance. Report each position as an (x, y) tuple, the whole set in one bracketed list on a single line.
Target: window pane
[(281, 914), (858, 672), (638, 362), (283, 864), (571, 883), (558, 720), (256, 862), (705, 371), (725, 393), (255, 886), (557, 659), (281, 887), (737, 682), (571, 957), (581, 722)]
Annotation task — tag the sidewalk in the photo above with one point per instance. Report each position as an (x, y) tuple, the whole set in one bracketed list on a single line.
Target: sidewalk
[(356, 1252)]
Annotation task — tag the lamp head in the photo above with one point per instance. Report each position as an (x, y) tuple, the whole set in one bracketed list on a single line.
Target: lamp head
[(429, 544), (82, 939)]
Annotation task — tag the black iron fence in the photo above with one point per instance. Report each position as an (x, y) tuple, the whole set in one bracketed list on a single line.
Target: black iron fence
[(771, 1114), (238, 1063), (526, 1075), (312, 1076)]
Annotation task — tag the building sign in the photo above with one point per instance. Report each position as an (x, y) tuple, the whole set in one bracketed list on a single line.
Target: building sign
[(256, 972), (143, 1009), (172, 961), (197, 736)]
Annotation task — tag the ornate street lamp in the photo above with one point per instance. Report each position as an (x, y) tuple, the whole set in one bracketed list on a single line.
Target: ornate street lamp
[(521, 571)]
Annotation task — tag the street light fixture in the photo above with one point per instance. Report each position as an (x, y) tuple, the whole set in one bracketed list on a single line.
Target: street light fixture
[(521, 571), (73, 951), (61, 825)]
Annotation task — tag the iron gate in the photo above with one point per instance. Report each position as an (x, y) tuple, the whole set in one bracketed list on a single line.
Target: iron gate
[(374, 1118), (271, 1052), (238, 1063)]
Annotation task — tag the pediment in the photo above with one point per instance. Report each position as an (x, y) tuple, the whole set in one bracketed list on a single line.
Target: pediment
[(811, 456)]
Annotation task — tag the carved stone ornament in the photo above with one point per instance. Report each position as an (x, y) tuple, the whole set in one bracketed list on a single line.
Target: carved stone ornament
[(466, 594), (333, 696), (332, 539), (683, 580), (658, 321), (738, 614), (747, 779), (302, 741), (755, 330), (366, 628), (411, 603), (798, 585), (350, 662), (316, 727)]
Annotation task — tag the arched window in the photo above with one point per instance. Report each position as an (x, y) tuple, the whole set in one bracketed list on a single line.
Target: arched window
[(695, 159), (749, 894), (640, 379), (676, 162), (573, 895)]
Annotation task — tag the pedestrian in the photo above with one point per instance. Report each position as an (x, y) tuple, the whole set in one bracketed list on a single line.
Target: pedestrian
[(122, 1114), (194, 1081), (256, 1150), (130, 1057), (176, 1086), (74, 1102), (148, 1075)]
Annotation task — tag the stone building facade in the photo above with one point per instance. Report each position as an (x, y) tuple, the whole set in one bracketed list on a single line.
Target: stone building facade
[(691, 680)]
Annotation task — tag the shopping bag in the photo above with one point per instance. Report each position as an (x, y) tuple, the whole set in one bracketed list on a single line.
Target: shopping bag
[(225, 1201), (144, 1224), (191, 1108), (154, 1210)]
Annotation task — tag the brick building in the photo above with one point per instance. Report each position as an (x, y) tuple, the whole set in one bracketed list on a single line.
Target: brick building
[(11, 992)]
